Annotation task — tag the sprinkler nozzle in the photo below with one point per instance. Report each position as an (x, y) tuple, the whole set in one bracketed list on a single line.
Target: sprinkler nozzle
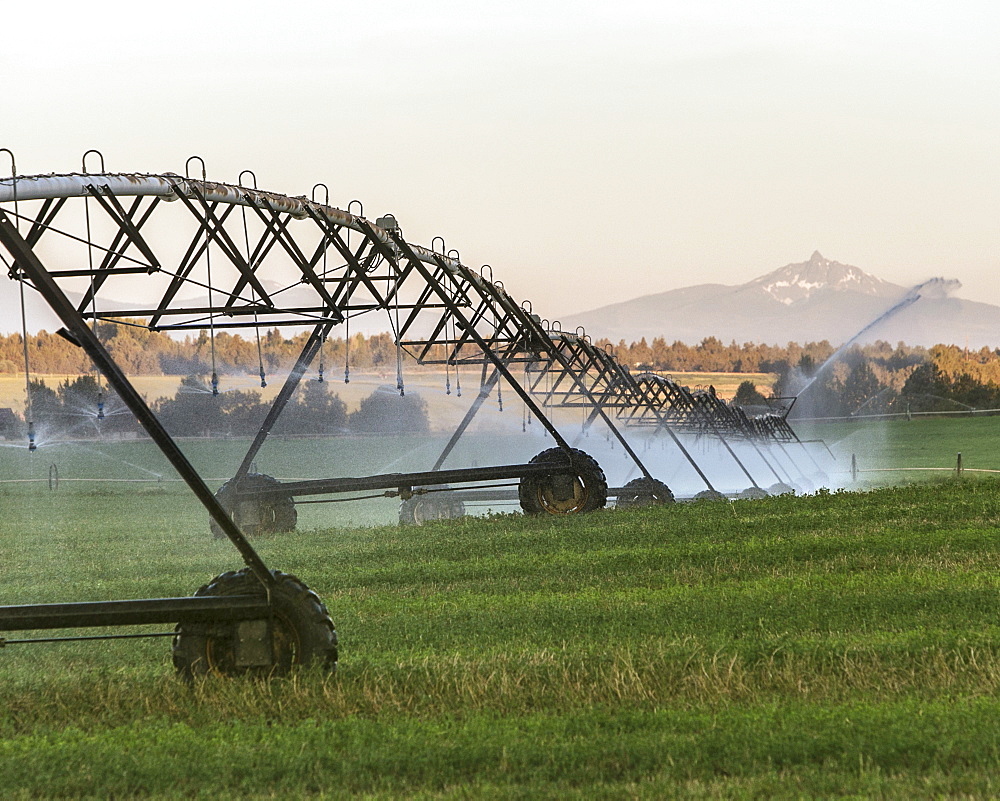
[(347, 376), (263, 381), (100, 406), (215, 384), (320, 379), (31, 437)]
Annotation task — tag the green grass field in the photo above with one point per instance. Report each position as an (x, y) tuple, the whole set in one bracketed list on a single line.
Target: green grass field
[(834, 644), (923, 442)]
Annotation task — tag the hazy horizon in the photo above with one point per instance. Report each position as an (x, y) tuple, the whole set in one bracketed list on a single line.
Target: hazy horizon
[(591, 153)]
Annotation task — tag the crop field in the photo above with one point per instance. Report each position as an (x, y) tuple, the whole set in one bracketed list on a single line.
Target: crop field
[(842, 643)]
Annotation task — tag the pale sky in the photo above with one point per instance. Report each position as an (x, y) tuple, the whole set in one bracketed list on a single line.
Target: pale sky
[(591, 152)]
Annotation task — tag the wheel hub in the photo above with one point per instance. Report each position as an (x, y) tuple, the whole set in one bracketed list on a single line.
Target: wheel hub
[(562, 495)]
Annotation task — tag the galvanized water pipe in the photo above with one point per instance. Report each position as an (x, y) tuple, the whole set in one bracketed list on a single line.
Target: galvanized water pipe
[(166, 186)]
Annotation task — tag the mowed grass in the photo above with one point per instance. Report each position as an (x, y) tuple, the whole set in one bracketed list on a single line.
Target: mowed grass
[(817, 646)]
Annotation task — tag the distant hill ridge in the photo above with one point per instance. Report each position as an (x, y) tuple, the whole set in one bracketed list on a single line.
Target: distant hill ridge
[(802, 302)]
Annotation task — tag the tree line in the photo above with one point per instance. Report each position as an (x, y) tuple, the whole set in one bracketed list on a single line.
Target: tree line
[(711, 355), (879, 379), (873, 378), (876, 378), (139, 351)]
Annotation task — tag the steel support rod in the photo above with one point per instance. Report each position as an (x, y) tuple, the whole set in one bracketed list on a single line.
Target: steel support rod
[(707, 419), (31, 267), (86, 614), (484, 393), (480, 342), (600, 411), (402, 481), (555, 353), (662, 423), (309, 351)]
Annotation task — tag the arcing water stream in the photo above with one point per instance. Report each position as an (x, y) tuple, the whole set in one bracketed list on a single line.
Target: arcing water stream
[(939, 287)]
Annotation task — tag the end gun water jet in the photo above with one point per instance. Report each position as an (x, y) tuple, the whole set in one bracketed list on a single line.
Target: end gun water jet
[(937, 286)]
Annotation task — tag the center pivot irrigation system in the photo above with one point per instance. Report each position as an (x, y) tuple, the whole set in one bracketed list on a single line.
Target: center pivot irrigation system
[(209, 257)]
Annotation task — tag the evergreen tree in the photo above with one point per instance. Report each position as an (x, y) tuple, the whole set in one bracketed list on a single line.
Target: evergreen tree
[(860, 386), (926, 389), (315, 411), (386, 412), (193, 411), (747, 394)]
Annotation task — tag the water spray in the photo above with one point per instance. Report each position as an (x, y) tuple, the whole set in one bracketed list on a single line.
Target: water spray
[(935, 286)]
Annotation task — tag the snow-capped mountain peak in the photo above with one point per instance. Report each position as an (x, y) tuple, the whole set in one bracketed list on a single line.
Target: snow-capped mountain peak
[(808, 302), (794, 283)]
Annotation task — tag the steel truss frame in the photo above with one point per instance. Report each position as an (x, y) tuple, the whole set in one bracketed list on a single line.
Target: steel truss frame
[(445, 313), (335, 266)]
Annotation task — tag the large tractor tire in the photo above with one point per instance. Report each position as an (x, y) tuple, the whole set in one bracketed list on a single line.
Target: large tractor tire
[(571, 488), (255, 514), (419, 509), (781, 488), (754, 493), (302, 631), (709, 495), (644, 492)]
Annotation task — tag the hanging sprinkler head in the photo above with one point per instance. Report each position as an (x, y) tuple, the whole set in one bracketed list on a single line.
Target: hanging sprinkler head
[(263, 381), (347, 375), (31, 437), (100, 405), (320, 379), (215, 383)]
